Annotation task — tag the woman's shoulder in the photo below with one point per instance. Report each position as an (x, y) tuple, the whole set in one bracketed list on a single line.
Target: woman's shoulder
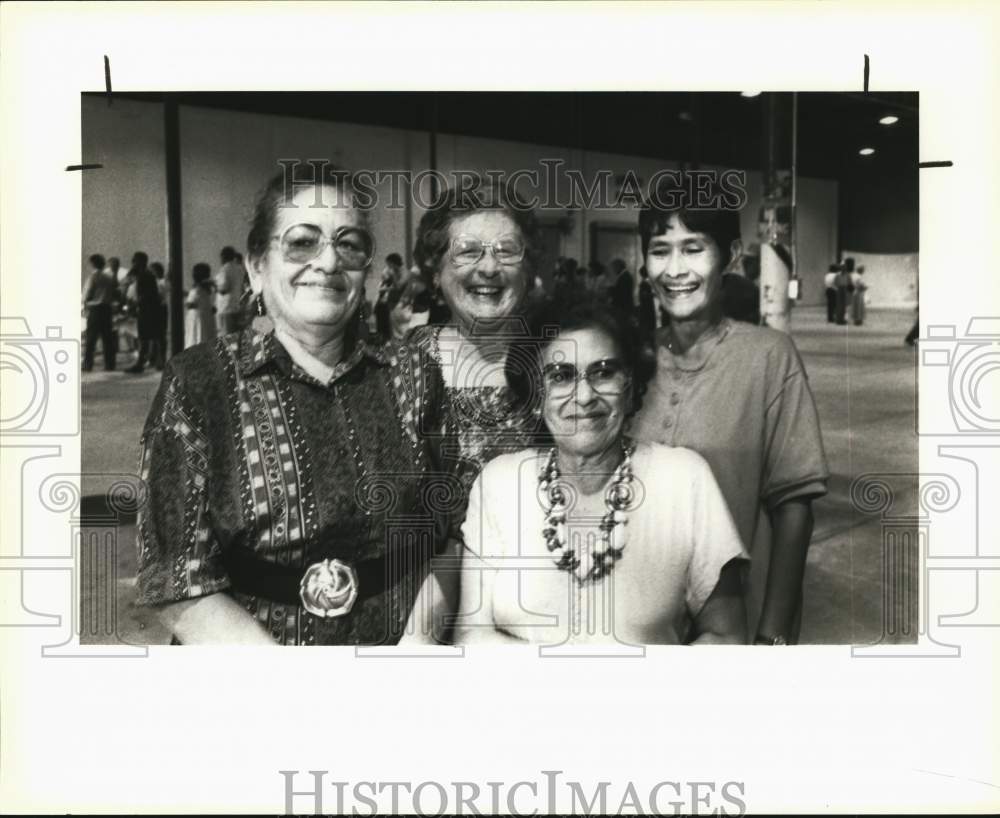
[(197, 358), (509, 462), (759, 344), (663, 458)]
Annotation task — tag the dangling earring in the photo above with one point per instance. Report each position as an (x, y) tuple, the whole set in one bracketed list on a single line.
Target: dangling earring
[(261, 309)]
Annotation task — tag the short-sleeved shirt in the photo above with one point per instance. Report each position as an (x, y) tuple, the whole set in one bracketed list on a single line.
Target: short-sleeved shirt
[(679, 537), (244, 452), (749, 411)]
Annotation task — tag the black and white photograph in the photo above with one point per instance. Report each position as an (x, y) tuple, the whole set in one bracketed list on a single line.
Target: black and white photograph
[(498, 408), (416, 367)]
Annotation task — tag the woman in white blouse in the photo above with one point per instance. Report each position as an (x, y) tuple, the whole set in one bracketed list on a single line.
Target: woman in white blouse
[(592, 537)]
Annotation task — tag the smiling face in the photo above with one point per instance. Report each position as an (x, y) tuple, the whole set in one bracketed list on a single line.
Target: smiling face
[(686, 270), (316, 299), (584, 423), (486, 290)]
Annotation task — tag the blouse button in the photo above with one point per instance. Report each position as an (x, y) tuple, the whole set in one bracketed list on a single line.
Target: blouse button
[(675, 399)]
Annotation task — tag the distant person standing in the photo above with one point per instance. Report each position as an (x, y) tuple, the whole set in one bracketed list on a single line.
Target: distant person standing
[(842, 284), (647, 306), (146, 303), (830, 283), (621, 288), (199, 325), (229, 285), (393, 276), (163, 314), (597, 281), (98, 296), (858, 296)]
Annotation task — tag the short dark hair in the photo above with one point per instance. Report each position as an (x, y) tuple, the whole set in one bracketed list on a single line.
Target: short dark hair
[(395, 259), (140, 258), (157, 269), (720, 224), (432, 234), (281, 188), (201, 272), (96, 261), (228, 253), (524, 359)]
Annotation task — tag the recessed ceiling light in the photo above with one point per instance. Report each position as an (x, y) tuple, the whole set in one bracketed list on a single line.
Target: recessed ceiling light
[(889, 120), (866, 151), (749, 93), (685, 116)]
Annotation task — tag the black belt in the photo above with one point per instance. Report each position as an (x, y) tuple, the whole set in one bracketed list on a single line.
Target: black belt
[(249, 574)]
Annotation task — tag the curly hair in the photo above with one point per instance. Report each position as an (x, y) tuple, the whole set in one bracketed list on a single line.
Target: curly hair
[(432, 234)]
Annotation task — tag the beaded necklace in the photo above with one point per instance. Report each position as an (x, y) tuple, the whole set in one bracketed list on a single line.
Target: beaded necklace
[(613, 526)]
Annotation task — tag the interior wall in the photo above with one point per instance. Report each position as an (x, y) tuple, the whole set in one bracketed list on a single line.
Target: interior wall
[(226, 157), (124, 202)]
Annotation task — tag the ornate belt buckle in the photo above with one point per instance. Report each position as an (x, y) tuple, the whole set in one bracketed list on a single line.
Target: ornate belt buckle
[(329, 588)]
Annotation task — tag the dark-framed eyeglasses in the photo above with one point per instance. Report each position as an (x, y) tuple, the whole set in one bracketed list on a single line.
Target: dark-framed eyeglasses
[(606, 377), (506, 249), (354, 246)]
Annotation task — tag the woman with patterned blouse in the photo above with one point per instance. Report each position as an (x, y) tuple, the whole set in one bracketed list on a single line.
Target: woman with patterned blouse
[(286, 470), (480, 248)]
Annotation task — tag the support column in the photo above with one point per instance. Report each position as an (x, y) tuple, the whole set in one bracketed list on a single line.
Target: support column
[(777, 213), (175, 261)]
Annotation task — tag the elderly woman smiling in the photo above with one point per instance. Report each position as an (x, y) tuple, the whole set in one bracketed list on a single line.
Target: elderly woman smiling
[(593, 537), (262, 451), (479, 248)]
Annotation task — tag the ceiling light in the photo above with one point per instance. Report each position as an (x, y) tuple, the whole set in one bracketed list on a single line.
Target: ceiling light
[(889, 120), (749, 94), (685, 116), (866, 151)]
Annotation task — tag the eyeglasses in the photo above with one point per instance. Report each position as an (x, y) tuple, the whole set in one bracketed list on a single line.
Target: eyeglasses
[(606, 377), (466, 250), (354, 246)]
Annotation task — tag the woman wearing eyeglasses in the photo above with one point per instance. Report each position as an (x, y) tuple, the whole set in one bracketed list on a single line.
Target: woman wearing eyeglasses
[(272, 460), (592, 537), (479, 249)]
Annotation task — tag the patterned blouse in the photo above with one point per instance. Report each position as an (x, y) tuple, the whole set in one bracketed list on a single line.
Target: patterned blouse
[(477, 423), (246, 455)]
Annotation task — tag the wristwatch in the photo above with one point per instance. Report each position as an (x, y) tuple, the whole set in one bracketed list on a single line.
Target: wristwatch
[(760, 639)]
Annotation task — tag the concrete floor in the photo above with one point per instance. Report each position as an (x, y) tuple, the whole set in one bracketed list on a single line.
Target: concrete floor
[(864, 379)]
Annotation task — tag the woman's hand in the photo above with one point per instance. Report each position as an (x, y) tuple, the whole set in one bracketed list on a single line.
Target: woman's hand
[(723, 619), (430, 620), (217, 619)]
